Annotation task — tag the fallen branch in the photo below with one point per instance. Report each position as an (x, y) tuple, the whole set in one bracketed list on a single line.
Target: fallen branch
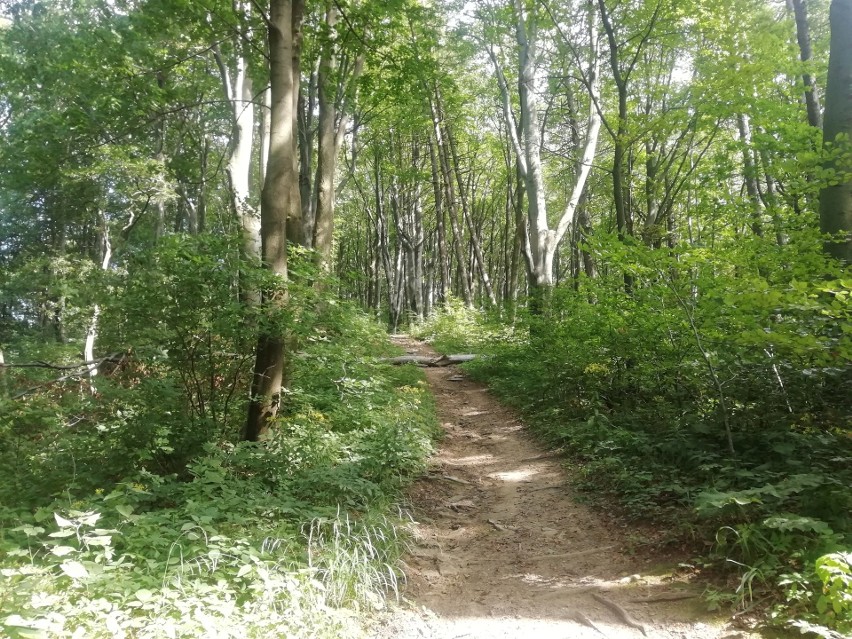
[(457, 480), (566, 555), (583, 619), (620, 612), (77, 371), (428, 360), (666, 596), (570, 555), (62, 367)]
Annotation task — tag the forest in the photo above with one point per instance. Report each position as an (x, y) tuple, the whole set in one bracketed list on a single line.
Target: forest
[(636, 214)]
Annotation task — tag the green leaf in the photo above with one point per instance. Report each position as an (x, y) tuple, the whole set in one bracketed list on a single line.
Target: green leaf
[(144, 595), (74, 569), (789, 521), (124, 509)]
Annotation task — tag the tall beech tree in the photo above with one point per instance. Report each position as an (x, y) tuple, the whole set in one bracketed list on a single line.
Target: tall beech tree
[(525, 134), (338, 72), (836, 198), (279, 202)]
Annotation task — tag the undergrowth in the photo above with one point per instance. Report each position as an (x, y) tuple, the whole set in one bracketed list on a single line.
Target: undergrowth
[(129, 507), (649, 391)]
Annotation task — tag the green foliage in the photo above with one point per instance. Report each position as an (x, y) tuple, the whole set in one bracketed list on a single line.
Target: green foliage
[(821, 596), (129, 508), (640, 388)]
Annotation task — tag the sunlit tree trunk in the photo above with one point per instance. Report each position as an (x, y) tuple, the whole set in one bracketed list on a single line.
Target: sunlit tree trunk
[(750, 175), (92, 332), (306, 106), (543, 241), (464, 196), (335, 86), (237, 88)]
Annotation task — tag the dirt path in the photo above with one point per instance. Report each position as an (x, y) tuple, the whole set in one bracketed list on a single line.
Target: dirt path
[(503, 551)]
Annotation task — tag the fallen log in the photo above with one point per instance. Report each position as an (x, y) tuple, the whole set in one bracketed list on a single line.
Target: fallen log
[(428, 360)]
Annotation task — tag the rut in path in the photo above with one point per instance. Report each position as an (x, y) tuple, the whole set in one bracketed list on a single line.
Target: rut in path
[(503, 551)]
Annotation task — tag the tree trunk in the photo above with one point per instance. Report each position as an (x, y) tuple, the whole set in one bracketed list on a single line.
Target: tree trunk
[(238, 92), (443, 263), (327, 149), (464, 195), (803, 35), (541, 241), (306, 157), (836, 200), (92, 332), (279, 203), (750, 176), (295, 225), (452, 205), (333, 94)]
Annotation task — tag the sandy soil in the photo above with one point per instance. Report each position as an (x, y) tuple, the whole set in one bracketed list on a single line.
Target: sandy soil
[(502, 550)]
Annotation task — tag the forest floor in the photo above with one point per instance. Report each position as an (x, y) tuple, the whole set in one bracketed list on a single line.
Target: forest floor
[(502, 548)]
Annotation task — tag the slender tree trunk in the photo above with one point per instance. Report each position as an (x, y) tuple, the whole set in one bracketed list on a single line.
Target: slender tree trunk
[(201, 202), (295, 224), (327, 149), (160, 157), (464, 196), (307, 102), (543, 241), (452, 204), (803, 36), (265, 114), (588, 259), (443, 263), (333, 94), (238, 92), (92, 333), (750, 176)]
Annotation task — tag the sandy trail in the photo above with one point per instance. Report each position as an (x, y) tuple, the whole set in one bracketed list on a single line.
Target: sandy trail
[(503, 551)]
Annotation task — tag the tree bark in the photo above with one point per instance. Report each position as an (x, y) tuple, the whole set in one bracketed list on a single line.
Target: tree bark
[(92, 332), (443, 263), (836, 200), (333, 120), (803, 36), (750, 175), (452, 204), (542, 241), (464, 195), (238, 92), (279, 203), (307, 102)]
